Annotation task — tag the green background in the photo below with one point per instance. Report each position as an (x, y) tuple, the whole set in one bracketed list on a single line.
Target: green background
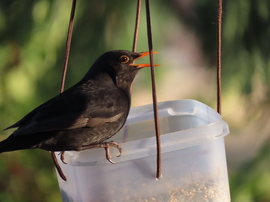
[(32, 42)]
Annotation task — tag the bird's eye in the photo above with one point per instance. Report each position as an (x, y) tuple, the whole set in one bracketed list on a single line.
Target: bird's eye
[(124, 59)]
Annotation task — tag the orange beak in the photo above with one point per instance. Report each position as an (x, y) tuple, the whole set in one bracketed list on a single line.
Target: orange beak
[(143, 54)]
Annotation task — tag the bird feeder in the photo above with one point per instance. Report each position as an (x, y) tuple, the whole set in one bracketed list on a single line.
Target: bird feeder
[(193, 159)]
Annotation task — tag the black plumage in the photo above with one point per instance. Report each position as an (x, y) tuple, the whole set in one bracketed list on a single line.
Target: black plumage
[(87, 114)]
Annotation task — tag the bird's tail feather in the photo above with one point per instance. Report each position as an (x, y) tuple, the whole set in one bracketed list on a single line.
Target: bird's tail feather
[(13, 143)]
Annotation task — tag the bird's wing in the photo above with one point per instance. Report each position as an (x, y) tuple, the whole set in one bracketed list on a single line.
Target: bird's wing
[(69, 111)]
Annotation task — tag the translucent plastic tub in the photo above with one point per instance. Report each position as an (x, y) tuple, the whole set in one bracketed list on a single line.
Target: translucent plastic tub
[(193, 159)]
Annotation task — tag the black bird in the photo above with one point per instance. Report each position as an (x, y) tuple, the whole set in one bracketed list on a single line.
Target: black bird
[(85, 115)]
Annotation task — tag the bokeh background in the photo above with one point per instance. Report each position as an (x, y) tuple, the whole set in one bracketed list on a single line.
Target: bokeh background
[(32, 41)]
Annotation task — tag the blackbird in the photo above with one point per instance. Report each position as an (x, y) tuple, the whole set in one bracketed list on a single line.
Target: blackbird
[(85, 115)]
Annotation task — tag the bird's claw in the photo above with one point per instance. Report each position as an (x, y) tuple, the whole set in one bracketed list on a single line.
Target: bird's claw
[(106, 146)]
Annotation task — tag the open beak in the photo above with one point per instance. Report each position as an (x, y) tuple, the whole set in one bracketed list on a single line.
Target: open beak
[(142, 54)]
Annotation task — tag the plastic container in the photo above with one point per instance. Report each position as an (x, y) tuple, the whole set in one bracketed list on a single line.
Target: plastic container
[(193, 159)]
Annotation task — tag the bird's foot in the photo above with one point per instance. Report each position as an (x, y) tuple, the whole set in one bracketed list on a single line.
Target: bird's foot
[(106, 146)]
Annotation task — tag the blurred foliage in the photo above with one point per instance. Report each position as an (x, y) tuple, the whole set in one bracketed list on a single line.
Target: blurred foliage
[(32, 42), (246, 31), (254, 182)]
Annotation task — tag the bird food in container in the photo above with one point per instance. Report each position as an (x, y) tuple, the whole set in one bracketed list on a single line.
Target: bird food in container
[(193, 159)]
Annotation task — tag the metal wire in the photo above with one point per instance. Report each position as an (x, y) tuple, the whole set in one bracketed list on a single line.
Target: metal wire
[(150, 44), (63, 78), (219, 40), (154, 94), (68, 42), (137, 23)]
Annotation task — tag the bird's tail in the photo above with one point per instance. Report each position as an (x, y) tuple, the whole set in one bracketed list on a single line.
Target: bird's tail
[(12, 143)]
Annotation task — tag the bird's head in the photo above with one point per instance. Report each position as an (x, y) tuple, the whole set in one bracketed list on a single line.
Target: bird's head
[(119, 64)]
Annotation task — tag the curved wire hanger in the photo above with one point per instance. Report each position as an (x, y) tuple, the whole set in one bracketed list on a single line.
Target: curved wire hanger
[(150, 46)]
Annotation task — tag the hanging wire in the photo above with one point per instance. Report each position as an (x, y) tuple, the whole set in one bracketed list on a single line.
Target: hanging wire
[(150, 44), (137, 23), (219, 40), (68, 42), (154, 94), (62, 85), (134, 47)]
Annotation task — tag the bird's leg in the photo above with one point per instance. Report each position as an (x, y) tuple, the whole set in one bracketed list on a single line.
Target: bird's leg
[(106, 146)]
